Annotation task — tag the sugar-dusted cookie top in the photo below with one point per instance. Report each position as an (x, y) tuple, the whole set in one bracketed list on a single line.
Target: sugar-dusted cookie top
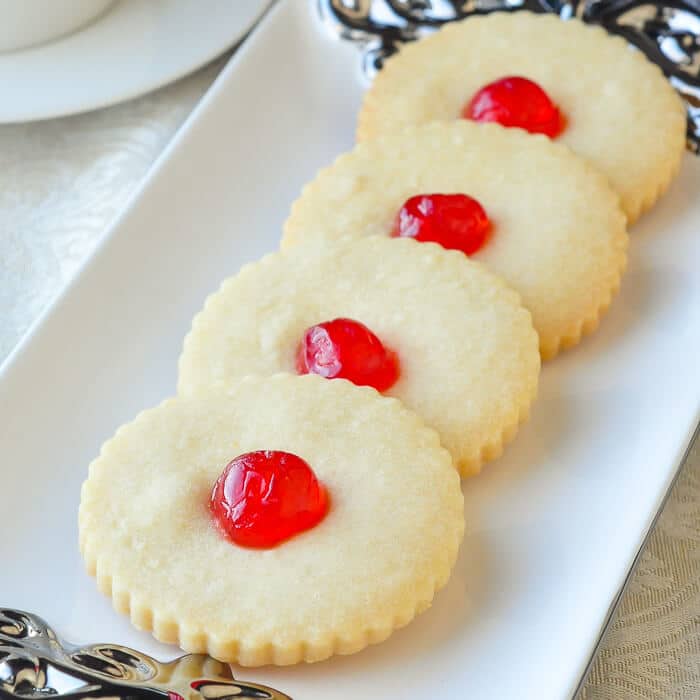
[(387, 542), (619, 111), (556, 232), (448, 337)]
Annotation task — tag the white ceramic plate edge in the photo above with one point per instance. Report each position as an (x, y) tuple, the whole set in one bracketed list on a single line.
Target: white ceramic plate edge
[(683, 452), (112, 229), (155, 80)]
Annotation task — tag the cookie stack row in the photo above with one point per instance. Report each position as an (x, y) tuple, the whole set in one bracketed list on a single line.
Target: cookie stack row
[(269, 515)]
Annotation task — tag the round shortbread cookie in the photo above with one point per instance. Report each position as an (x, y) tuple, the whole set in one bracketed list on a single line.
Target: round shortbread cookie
[(558, 234), (387, 544), (466, 347), (622, 114)]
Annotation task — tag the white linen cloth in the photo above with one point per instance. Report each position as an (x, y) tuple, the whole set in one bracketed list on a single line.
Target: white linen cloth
[(62, 181)]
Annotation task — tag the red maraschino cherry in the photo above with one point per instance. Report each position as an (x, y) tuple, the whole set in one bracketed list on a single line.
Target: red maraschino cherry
[(263, 498), (455, 221), (516, 101), (346, 349)]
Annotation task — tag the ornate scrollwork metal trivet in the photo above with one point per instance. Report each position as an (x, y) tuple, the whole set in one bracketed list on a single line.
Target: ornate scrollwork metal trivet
[(35, 663), (667, 32)]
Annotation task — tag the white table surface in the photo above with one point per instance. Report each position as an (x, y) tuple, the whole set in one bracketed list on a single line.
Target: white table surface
[(62, 181)]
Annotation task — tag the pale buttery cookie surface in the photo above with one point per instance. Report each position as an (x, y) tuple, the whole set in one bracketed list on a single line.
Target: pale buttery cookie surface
[(466, 348), (558, 235), (621, 113), (387, 543)]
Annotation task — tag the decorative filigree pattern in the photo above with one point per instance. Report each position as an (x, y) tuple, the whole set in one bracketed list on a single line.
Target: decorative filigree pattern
[(669, 34), (35, 663)]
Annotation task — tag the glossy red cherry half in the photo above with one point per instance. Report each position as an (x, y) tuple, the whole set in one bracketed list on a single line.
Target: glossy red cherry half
[(516, 101), (263, 498), (347, 349), (455, 221)]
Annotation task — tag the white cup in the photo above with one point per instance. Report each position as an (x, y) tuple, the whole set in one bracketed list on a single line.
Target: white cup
[(26, 23)]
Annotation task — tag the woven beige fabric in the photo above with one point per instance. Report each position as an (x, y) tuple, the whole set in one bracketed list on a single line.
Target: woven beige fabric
[(652, 647), (62, 181)]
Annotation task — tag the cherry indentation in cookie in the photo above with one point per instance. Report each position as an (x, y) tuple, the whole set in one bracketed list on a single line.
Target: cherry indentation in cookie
[(346, 349), (455, 221), (516, 101), (263, 498)]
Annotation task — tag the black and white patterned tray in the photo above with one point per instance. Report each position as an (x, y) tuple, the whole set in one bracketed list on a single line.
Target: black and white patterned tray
[(668, 33)]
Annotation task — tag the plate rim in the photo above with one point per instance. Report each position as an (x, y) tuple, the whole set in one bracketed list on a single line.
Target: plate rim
[(693, 436), (14, 356), (24, 115)]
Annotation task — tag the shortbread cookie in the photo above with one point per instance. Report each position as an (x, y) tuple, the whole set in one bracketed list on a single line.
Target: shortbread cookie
[(387, 543), (466, 348), (558, 235), (620, 112)]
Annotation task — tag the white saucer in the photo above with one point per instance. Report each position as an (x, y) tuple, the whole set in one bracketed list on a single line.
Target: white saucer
[(135, 47)]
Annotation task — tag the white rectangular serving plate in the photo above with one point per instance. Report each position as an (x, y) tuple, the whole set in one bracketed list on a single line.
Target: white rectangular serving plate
[(554, 526)]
